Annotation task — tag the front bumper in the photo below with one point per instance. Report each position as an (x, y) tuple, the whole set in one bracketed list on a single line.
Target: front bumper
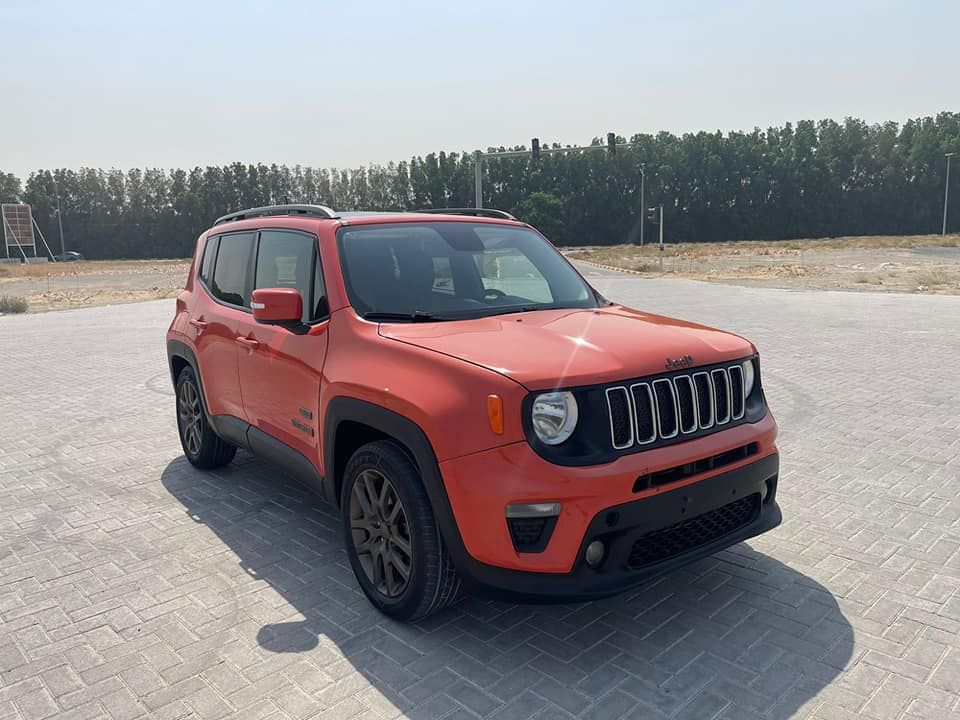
[(669, 511), (481, 485)]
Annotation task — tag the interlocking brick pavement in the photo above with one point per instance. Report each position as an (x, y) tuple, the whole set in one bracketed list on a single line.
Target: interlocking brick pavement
[(132, 585)]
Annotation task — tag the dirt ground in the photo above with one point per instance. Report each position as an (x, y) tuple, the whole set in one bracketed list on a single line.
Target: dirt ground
[(915, 264), (60, 286)]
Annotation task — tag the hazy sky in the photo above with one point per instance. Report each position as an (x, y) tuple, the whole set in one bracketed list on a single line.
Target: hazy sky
[(177, 84)]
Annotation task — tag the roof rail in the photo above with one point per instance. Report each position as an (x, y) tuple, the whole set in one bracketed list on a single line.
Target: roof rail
[(478, 212), (320, 211)]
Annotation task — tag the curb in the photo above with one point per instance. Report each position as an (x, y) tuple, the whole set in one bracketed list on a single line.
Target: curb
[(608, 267)]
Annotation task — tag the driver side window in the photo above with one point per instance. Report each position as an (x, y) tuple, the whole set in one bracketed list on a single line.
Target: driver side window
[(512, 273), (285, 259)]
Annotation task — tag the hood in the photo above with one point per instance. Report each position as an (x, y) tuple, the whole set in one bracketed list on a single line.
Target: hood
[(566, 348)]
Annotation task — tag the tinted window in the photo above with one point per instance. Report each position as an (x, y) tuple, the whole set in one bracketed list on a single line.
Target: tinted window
[(232, 269), (456, 270), (209, 256), (285, 260)]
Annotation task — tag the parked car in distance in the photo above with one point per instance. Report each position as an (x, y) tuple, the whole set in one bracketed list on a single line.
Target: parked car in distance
[(68, 256), (482, 418)]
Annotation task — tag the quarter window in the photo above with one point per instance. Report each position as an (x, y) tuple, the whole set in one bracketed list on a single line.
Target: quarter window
[(230, 276), (209, 257)]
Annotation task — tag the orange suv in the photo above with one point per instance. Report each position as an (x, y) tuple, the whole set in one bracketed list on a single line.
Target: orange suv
[(481, 416)]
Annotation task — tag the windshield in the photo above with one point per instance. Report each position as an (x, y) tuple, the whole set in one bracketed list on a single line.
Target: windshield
[(452, 270)]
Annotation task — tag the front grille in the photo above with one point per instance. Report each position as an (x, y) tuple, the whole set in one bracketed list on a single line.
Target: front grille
[(696, 532), (672, 407)]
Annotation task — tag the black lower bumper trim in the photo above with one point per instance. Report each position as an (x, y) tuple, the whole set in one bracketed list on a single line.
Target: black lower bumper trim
[(622, 526)]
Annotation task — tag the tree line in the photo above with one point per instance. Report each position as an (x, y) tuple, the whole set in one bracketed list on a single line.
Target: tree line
[(809, 179)]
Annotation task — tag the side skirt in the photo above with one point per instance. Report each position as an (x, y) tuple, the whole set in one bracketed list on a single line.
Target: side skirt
[(244, 435)]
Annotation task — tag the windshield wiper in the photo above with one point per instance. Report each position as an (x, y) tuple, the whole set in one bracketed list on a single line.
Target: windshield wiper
[(415, 316), (523, 309)]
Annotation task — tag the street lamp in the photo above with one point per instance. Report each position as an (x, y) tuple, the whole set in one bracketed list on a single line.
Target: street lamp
[(946, 192)]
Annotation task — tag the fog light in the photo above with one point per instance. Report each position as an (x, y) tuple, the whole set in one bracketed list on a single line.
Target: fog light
[(594, 554)]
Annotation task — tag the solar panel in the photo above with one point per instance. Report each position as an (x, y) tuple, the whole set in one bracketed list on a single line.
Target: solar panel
[(18, 228)]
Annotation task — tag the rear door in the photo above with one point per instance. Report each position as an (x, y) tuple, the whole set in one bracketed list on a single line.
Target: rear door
[(281, 368), (223, 304)]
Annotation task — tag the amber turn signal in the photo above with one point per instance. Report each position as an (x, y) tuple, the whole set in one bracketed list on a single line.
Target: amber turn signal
[(495, 413)]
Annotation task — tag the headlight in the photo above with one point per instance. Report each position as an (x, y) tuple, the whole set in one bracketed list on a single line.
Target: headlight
[(749, 377), (554, 416)]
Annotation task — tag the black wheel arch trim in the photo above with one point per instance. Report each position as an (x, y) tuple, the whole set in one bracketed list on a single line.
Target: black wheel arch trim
[(179, 349), (412, 437)]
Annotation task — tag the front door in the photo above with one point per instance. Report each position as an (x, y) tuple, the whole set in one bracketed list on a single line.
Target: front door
[(281, 368)]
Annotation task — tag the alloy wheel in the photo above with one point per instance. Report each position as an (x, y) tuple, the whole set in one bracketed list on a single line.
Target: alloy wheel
[(191, 417), (381, 536)]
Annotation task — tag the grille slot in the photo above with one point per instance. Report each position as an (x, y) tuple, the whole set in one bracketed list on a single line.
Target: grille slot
[(621, 424), (737, 400), (644, 413), (665, 398), (696, 532), (671, 407), (721, 394), (685, 403), (704, 390)]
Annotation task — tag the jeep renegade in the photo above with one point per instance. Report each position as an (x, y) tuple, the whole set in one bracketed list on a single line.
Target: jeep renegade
[(481, 416)]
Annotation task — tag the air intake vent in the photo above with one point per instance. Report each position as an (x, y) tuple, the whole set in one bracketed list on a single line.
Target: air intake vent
[(696, 532), (531, 534)]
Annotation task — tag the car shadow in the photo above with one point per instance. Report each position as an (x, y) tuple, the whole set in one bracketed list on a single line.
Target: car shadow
[(739, 633)]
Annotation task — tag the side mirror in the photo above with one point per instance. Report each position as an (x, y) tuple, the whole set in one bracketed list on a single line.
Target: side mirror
[(277, 306)]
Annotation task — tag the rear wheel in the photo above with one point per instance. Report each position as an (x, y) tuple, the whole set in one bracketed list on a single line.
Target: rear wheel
[(202, 446), (392, 539)]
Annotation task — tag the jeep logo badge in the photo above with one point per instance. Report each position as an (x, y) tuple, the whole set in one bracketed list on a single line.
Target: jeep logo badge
[(679, 364)]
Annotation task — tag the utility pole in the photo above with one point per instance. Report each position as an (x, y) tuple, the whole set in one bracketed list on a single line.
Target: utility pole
[(946, 193), (59, 219), (643, 202), (478, 178), (660, 217)]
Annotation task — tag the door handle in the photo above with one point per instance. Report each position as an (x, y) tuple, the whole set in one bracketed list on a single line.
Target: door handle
[(200, 325), (249, 342)]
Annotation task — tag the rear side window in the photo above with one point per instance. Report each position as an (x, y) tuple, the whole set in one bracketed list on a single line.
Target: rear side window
[(209, 257), (232, 270), (287, 260)]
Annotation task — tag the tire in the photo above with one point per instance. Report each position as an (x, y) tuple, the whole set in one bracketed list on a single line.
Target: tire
[(202, 446), (408, 537)]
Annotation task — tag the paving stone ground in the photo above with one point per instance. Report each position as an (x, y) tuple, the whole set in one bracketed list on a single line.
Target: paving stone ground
[(132, 585)]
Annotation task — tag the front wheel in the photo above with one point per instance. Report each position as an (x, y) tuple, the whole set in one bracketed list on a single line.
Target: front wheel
[(202, 446), (391, 535)]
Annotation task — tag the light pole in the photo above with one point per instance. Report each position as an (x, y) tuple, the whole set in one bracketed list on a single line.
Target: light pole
[(946, 193)]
